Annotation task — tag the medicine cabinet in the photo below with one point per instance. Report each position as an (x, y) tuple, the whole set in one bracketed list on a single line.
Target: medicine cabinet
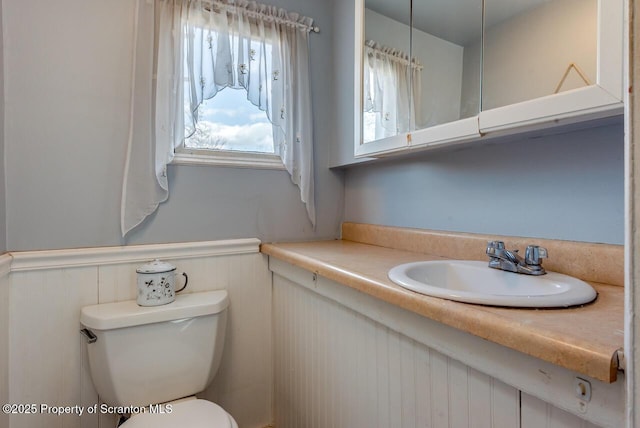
[(433, 73)]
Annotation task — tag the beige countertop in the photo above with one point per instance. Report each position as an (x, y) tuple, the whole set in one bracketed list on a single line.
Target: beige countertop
[(584, 339)]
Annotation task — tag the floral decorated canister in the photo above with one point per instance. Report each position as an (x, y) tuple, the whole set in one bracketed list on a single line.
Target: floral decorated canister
[(157, 283)]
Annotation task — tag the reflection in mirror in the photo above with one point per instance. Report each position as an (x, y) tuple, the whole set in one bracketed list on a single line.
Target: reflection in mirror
[(388, 78), (443, 76), (445, 38), (534, 48), (387, 74)]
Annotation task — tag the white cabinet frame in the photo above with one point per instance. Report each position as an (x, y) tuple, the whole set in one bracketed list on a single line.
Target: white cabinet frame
[(590, 102), (603, 99)]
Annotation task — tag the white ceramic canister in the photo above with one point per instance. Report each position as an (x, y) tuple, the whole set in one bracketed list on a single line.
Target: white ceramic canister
[(156, 283)]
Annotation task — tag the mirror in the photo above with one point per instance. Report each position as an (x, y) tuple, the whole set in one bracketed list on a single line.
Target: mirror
[(386, 74), (474, 67), (419, 76), (446, 39), (535, 48)]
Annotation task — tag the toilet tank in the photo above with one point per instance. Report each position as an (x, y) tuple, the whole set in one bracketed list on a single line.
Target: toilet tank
[(148, 355)]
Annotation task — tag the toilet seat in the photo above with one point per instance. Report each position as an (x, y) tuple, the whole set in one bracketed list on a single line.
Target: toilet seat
[(196, 413)]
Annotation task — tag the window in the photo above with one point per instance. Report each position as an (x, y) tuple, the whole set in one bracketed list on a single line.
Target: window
[(229, 121), (205, 54), (230, 131), (228, 127)]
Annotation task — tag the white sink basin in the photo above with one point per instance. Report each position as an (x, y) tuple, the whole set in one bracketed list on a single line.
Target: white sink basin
[(475, 282)]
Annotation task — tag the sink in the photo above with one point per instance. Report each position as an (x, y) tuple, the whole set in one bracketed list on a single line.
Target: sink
[(475, 282)]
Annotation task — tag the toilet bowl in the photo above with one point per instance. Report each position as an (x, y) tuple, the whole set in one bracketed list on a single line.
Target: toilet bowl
[(192, 413), (140, 356)]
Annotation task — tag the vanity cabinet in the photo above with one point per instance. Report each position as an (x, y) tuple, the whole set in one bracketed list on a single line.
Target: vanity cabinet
[(466, 70), (346, 359)]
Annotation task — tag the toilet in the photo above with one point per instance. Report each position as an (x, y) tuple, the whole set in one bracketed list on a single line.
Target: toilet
[(152, 360)]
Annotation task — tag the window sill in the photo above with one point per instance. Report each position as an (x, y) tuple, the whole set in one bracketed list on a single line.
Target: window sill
[(227, 159)]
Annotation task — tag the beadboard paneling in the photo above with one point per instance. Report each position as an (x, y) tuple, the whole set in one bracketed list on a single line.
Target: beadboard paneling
[(244, 383), (5, 261), (541, 379), (45, 347), (538, 414), (337, 368), (47, 356)]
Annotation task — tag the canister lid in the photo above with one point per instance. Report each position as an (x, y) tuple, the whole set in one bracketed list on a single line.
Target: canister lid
[(156, 266), (109, 316)]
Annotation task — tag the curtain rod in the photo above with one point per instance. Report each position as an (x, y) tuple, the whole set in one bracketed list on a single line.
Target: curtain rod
[(393, 54), (233, 8)]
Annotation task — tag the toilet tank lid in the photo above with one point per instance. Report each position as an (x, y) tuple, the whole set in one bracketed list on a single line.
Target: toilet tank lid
[(108, 316)]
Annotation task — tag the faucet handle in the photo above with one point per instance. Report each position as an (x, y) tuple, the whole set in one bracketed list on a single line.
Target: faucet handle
[(493, 246), (498, 245), (534, 253)]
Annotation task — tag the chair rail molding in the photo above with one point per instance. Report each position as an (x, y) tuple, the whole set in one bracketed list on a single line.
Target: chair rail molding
[(52, 259)]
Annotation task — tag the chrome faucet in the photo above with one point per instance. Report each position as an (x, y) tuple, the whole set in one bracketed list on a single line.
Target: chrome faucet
[(510, 260)]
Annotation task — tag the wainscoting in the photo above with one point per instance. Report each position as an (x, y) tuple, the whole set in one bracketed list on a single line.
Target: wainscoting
[(5, 264), (339, 364), (47, 361), (301, 351), (335, 367)]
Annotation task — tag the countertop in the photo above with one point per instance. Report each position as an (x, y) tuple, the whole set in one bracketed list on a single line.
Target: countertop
[(584, 339)]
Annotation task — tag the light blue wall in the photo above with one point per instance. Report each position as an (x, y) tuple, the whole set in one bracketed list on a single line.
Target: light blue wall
[(65, 153), (567, 186), (67, 86), (241, 203), (221, 203)]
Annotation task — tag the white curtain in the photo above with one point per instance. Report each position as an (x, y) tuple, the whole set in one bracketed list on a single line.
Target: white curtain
[(200, 48), (388, 79)]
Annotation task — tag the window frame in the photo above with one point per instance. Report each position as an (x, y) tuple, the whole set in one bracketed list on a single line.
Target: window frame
[(226, 158)]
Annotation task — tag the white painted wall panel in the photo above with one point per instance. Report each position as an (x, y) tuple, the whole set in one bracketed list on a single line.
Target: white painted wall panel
[(480, 392), (508, 368), (4, 336), (45, 348), (439, 391), (423, 387), (369, 375), (538, 414), (243, 385), (503, 398), (47, 356)]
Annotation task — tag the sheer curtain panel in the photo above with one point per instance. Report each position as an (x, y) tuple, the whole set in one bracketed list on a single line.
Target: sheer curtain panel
[(388, 79), (199, 48)]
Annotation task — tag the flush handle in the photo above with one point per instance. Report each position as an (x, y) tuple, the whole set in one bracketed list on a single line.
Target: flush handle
[(91, 337)]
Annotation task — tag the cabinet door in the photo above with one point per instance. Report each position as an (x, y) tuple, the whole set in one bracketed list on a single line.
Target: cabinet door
[(383, 112), (446, 49), (535, 64), (545, 61), (535, 413), (418, 77)]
